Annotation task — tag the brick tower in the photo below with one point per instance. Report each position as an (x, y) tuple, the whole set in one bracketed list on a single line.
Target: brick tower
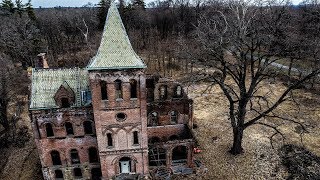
[(117, 84)]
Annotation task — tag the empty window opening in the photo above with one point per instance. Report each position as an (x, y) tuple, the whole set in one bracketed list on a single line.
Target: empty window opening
[(179, 154), (77, 173), (65, 103), (49, 130), (150, 83), (74, 157), (104, 92), (135, 137), (118, 86), (109, 137), (133, 89), (163, 92), (96, 174), (88, 129), (55, 157), (174, 117), (154, 119), (69, 128), (154, 139), (173, 137), (121, 116), (157, 157), (58, 174), (178, 91), (93, 155)]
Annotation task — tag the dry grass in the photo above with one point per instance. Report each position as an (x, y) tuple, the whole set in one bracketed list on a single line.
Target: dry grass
[(260, 160)]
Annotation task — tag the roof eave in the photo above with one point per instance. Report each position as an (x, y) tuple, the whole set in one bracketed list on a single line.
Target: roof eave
[(116, 67)]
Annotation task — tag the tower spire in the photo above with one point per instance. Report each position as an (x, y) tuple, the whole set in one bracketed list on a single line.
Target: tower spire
[(115, 51)]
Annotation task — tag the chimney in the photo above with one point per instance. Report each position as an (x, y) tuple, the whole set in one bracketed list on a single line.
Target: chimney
[(42, 61)]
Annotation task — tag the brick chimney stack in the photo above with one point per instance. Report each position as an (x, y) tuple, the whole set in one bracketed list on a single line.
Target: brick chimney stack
[(42, 61)]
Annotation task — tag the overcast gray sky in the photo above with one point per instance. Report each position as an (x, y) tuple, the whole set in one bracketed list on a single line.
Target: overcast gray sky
[(79, 3)]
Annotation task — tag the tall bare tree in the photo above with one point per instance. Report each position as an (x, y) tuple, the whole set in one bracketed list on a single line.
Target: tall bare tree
[(239, 39)]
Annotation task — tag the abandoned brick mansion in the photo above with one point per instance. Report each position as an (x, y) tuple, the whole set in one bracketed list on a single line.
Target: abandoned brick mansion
[(110, 120)]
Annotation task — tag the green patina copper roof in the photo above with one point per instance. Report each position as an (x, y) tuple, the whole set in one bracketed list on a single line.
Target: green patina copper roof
[(46, 82), (115, 51)]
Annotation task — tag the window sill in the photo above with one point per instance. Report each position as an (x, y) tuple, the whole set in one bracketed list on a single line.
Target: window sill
[(110, 147), (135, 144), (119, 99), (133, 99)]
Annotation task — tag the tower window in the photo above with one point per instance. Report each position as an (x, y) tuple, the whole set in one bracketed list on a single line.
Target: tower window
[(133, 88), (174, 117), (104, 93), (74, 156), (178, 91), (49, 130), (135, 137), (118, 87), (109, 137), (121, 116), (55, 157), (69, 128), (87, 125), (93, 155)]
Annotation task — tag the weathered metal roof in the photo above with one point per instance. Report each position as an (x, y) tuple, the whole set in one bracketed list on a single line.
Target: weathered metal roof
[(46, 82), (115, 51)]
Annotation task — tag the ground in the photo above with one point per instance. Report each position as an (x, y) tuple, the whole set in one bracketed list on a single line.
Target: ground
[(214, 136)]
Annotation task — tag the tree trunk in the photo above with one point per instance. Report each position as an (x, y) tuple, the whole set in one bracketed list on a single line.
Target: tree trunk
[(237, 141)]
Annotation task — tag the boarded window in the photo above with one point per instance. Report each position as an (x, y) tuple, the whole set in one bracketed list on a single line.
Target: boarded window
[(58, 174), (74, 156), (174, 117), (163, 92), (93, 155), (69, 128), (88, 129), (104, 93), (49, 130), (118, 87), (109, 137), (77, 173), (135, 137), (55, 157), (133, 88)]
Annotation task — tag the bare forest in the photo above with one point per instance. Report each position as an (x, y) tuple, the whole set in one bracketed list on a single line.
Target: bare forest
[(252, 68)]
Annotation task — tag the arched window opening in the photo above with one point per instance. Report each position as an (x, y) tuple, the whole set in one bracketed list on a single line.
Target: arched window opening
[(109, 137), (173, 137), (69, 128), (88, 129), (154, 139), (77, 173), (49, 130), (135, 137), (118, 87), (179, 155), (163, 92), (96, 173), (65, 103), (154, 119), (174, 117), (55, 157), (93, 155), (58, 174), (133, 88), (157, 157), (178, 91), (104, 92), (74, 157)]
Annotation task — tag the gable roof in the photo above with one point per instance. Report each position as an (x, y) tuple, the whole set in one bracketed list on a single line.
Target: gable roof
[(115, 51), (46, 82)]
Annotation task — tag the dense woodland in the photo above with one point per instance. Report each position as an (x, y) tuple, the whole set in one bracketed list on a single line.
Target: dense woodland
[(178, 34)]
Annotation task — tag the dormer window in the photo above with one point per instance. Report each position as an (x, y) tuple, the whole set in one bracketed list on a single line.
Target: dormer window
[(64, 96)]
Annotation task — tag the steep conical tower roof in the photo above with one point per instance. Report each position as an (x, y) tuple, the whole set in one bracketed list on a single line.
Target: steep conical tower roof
[(115, 51)]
